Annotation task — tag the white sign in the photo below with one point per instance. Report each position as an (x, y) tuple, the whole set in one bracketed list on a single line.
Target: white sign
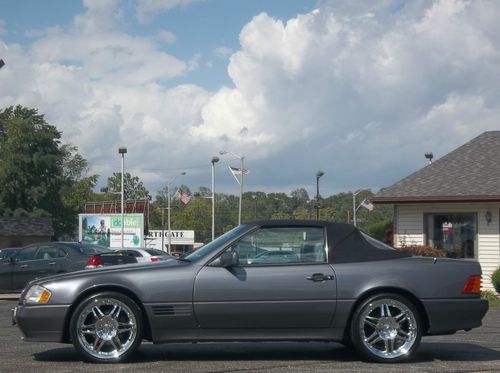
[(154, 238)]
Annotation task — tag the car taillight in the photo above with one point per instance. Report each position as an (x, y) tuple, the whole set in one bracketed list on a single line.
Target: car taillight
[(94, 262), (472, 285), (154, 259)]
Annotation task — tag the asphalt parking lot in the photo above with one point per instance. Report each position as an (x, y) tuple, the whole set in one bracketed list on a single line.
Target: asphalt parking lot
[(474, 351)]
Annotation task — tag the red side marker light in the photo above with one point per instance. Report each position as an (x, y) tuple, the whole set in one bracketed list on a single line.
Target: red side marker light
[(154, 259), (472, 285)]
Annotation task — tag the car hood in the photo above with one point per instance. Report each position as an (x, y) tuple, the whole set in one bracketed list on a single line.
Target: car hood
[(110, 269)]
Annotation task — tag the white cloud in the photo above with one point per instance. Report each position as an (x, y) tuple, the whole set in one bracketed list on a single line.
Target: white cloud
[(96, 43), (223, 52), (360, 95), (358, 91), (167, 36), (146, 9)]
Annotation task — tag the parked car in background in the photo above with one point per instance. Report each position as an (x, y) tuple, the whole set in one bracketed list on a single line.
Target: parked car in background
[(146, 254), (8, 251), (109, 259), (44, 259), (334, 284)]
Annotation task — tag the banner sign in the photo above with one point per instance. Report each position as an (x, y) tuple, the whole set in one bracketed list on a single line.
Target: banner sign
[(154, 238), (105, 230)]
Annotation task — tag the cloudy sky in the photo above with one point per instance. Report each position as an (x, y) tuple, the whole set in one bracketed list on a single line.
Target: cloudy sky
[(358, 89)]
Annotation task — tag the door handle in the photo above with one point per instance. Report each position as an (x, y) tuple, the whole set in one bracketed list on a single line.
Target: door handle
[(52, 263), (23, 266), (317, 277)]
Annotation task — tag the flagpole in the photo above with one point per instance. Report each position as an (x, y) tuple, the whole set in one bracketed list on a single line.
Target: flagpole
[(215, 159), (242, 170), (354, 209), (169, 208), (241, 188)]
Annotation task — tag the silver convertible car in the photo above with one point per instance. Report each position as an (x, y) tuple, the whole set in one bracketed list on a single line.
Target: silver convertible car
[(331, 283)]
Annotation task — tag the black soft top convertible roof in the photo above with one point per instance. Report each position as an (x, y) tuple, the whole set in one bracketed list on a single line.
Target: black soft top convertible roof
[(346, 243)]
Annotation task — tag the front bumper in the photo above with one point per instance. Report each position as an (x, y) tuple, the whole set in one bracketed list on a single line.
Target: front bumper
[(450, 315), (41, 323)]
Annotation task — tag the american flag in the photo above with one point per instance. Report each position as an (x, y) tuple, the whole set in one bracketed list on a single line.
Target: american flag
[(184, 197), (367, 205), (239, 171)]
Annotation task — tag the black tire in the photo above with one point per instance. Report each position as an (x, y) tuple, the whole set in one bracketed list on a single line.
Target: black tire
[(386, 328), (106, 327)]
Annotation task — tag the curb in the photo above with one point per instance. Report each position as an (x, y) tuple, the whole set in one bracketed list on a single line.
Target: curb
[(12, 296)]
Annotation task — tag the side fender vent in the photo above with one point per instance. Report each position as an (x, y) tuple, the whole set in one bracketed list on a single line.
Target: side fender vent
[(170, 310)]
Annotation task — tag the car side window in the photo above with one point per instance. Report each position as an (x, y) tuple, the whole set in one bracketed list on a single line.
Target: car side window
[(47, 252), (282, 245), (25, 254)]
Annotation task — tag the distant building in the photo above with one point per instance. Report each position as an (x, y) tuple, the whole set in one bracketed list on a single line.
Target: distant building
[(21, 231), (453, 204)]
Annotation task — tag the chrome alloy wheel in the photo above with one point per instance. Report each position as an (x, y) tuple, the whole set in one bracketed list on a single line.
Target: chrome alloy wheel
[(388, 328), (106, 328)]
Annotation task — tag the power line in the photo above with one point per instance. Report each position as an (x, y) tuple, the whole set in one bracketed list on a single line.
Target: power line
[(166, 170)]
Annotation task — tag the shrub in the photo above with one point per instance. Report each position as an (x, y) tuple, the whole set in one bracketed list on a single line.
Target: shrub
[(491, 297), (422, 250), (495, 280)]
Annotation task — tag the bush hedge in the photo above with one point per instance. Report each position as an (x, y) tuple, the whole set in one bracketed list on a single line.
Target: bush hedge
[(422, 250), (495, 280)]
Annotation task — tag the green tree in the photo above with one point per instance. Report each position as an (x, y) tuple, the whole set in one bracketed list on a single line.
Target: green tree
[(196, 215), (78, 187), (31, 166), (31, 172), (133, 187)]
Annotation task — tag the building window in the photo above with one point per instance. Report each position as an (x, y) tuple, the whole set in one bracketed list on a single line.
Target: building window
[(453, 233)]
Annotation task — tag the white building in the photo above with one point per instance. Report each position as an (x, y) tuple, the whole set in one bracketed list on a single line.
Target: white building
[(453, 204)]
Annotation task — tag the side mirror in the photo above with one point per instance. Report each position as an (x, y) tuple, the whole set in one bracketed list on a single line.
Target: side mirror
[(229, 259)]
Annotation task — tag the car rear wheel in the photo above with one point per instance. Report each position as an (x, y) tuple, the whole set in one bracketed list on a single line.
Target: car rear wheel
[(106, 327), (386, 328)]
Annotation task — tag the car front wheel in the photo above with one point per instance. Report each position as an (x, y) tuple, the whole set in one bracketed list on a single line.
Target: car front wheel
[(386, 328), (106, 327)]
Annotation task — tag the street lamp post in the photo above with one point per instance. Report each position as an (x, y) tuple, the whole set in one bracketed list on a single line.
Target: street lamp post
[(318, 175), (215, 159), (122, 150), (255, 200), (242, 171), (163, 229), (168, 208)]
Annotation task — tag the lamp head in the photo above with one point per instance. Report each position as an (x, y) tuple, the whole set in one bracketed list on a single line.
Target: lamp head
[(319, 174), (429, 156), (182, 173), (215, 159), (122, 150), (2, 63), (222, 152)]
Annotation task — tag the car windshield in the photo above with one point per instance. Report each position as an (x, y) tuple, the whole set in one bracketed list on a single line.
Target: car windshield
[(215, 244)]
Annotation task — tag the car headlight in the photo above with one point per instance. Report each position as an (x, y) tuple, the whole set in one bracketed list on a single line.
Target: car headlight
[(37, 295)]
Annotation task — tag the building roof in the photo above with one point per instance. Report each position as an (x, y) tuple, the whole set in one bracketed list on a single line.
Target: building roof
[(467, 174), (21, 226)]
